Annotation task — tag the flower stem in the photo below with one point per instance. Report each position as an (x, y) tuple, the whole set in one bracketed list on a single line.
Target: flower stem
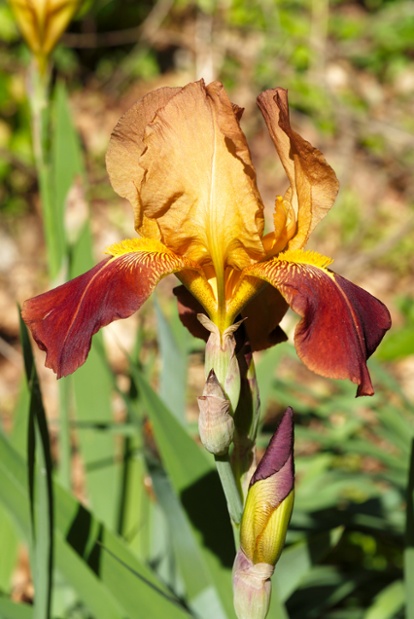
[(39, 99), (231, 491), (39, 106)]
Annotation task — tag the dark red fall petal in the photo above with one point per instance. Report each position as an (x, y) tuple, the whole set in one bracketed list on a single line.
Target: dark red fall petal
[(341, 324), (63, 320), (263, 315), (188, 308)]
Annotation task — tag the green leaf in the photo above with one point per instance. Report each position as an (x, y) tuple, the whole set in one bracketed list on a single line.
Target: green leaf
[(266, 371), (39, 464), (200, 593), (66, 155), (388, 603), (10, 610), (323, 588), (94, 561), (9, 538), (397, 345), (173, 349), (92, 386), (297, 560), (13, 487), (9, 544), (409, 539)]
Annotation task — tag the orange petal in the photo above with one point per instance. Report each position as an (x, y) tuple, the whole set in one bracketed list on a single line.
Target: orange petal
[(126, 147), (195, 181), (341, 324), (63, 320), (313, 184)]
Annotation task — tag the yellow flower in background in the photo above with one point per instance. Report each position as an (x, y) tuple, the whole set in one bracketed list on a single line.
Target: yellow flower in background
[(180, 158), (42, 23)]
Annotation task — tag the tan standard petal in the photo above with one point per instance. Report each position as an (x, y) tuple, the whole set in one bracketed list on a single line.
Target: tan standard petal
[(313, 183), (199, 184), (126, 146)]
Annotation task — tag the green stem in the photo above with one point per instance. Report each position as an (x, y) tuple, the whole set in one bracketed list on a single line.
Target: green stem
[(64, 473), (246, 421), (39, 106), (39, 98), (231, 491)]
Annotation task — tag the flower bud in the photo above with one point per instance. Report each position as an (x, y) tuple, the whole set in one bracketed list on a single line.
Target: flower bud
[(42, 23), (270, 497), (215, 424), (221, 357), (264, 524)]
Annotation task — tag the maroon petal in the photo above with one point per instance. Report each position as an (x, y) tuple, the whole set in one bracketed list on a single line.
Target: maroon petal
[(278, 453), (341, 324), (63, 320), (188, 308), (270, 497)]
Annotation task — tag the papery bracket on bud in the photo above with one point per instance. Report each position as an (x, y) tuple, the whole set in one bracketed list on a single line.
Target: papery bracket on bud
[(221, 356), (215, 424), (251, 587)]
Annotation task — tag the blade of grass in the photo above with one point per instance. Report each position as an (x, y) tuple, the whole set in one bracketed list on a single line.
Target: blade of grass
[(388, 603), (96, 562), (297, 561), (66, 154), (323, 589), (129, 582), (409, 540), (173, 349), (39, 467), (40, 117), (9, 535), (199, 589), (93, 396), (9, 542), (11, 610), (266, 370), (135, 522)]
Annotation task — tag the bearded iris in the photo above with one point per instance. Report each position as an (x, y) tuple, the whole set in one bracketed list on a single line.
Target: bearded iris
[(181, 159)]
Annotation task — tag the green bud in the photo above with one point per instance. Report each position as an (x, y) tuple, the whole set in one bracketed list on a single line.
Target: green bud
[(221, 357), (215, 424)]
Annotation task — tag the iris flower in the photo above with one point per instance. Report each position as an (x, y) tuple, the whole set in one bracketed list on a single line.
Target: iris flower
[(42, 23), (181, 159)]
